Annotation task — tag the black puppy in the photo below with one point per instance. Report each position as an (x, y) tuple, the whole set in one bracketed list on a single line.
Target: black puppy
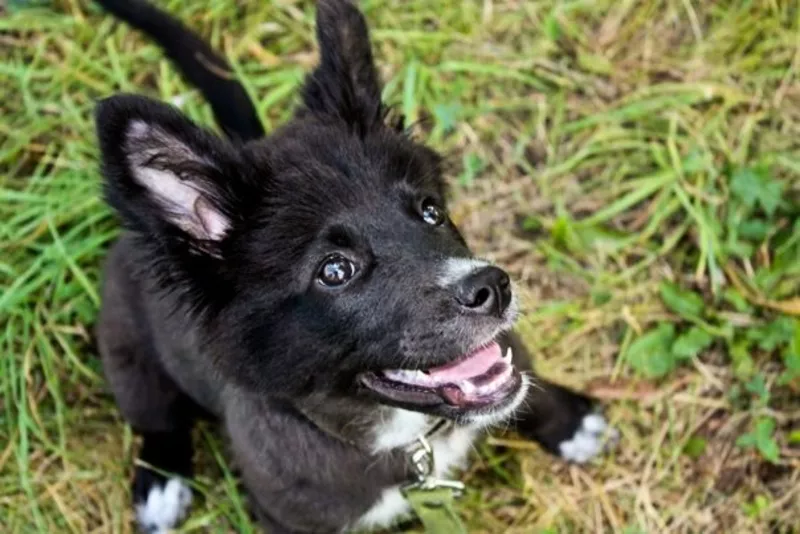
[(308, 290)]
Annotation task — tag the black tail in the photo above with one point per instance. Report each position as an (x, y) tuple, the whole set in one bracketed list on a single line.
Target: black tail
[(203, 68)]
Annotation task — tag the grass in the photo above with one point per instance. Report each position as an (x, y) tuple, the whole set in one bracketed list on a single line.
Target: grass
[(634, 164)]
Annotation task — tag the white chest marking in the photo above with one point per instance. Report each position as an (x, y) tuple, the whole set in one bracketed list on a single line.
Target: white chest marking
[(450, 451)]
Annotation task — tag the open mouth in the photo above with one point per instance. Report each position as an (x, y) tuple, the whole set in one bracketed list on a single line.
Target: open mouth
[(483, 378)]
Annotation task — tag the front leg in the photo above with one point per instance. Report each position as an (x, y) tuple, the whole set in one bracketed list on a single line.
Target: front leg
[(302, 480), (564, 422)]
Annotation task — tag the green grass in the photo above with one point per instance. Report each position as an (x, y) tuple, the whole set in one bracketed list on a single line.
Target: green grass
[(634, 164)]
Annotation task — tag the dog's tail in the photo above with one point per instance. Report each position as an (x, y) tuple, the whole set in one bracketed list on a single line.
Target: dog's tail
[(198, 63)]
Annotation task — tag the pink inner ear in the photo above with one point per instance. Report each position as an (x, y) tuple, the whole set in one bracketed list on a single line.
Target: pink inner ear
[(185, 206), (183, 200), (214, 223)]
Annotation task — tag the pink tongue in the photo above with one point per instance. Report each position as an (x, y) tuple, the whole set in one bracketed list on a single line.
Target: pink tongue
[(473, 365)]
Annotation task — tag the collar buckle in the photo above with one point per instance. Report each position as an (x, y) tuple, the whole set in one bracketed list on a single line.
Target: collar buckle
[(423, 464), (422, 460)]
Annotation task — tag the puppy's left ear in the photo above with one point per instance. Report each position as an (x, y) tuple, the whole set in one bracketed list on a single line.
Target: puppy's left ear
[(345, 85), (168, 179)]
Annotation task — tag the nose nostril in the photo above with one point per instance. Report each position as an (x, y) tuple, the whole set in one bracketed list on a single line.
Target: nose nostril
[(485, 291), (481, 297)]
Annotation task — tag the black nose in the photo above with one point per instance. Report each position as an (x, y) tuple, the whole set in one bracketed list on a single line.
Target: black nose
[(486, 291)]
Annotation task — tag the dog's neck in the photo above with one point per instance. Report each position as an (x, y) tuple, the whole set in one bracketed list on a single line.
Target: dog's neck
[(371, 427)]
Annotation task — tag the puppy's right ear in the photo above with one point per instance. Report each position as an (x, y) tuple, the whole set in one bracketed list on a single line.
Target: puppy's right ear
[(166, 177), (345, 85)]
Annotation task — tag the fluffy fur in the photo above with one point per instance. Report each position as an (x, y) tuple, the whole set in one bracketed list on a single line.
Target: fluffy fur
[(212, 301)]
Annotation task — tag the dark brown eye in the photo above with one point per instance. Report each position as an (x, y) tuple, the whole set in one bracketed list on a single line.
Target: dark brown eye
[(335, 271), (431, 213)]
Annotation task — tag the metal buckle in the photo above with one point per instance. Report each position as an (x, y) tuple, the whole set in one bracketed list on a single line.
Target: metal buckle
[(422, 462)]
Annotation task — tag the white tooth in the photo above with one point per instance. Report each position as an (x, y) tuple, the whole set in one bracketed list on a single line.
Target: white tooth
[(508, 355), (489, 387), (400, 375), (496, 383), (419, 376), (408, 376), (484, 389), (467, 387)]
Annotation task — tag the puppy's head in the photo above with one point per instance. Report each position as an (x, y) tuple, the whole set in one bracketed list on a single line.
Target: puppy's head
[(319, 260)]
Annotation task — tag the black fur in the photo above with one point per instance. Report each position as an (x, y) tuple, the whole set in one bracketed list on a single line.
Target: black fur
[(211, 296), (171, 452), (200, 65), (345, 85)]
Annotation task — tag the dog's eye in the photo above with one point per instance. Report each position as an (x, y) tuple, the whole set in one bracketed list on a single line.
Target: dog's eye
[(336, 270), (431, 213)]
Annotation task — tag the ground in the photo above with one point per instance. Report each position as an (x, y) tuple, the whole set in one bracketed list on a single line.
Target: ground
[(634, 165)]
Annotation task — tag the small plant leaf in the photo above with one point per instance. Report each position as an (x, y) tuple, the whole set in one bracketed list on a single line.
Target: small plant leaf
[(764, 428), (696, 161), (600, 297), (473, 165), (770, 450), (743, 364), (600, 239), (778, 332), (685, 303), (447, 115), (765, 442), (564, 234), (690, 344), (695, 447), (758, 386), (736, 300), (531, 223), (552, 29), (754, 186), (791, 358), (650, 354), (756, 508), (754, 229), (746, 441)]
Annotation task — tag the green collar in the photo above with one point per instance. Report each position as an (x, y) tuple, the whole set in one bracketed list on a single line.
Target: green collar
[(431, 498), (435, 508)]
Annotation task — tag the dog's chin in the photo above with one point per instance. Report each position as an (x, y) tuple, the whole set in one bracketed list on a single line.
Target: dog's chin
[(482, 387)]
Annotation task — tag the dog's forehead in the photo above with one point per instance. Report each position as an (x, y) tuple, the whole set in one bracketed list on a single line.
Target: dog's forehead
[(317, 175), (340, 159)]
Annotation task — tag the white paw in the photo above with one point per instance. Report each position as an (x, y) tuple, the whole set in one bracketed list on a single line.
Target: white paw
[(591, 438), (165, 507)]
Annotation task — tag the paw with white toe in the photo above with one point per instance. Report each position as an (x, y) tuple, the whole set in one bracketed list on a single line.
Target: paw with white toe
[(592, 437), (165, 506)]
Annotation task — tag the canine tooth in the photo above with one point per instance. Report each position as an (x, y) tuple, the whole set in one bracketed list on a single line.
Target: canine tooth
[(508, 355)]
